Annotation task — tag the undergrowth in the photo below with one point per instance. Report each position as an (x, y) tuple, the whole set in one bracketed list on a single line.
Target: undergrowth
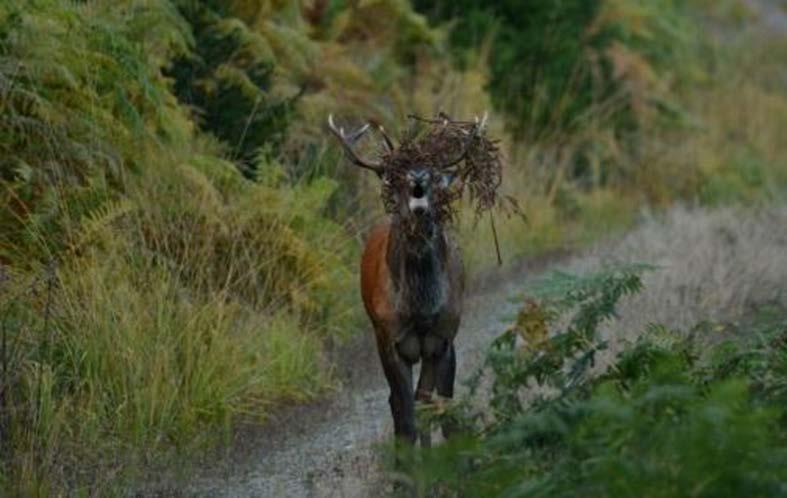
[(151, 296), (674, 413)]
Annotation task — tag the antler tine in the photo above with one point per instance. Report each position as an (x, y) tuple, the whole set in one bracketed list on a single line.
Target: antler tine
[(477, 128), (389, 145), (348, 142), (357, 133), (388, 141)]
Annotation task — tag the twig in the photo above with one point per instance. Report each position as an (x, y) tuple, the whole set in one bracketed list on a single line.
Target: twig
[(246, 126), (44, 350), (445, 119), (4, 391), (494, 235), (4, 360)]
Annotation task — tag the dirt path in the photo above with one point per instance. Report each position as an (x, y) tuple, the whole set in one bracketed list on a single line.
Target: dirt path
[(328, 449)]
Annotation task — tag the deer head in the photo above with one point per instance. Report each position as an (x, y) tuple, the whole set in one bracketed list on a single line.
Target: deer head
[(417, 186)]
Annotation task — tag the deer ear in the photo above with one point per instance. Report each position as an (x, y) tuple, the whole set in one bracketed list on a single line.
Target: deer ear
[(447, 179)]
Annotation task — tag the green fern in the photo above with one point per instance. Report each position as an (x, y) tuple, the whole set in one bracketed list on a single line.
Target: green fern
[(669, 414), (94, 227), (562, 360)]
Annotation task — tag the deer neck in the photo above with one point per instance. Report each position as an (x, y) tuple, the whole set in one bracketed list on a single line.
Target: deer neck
[(416, 259)]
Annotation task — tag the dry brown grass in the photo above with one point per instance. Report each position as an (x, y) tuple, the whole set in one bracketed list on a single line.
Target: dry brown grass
[(714, 266)]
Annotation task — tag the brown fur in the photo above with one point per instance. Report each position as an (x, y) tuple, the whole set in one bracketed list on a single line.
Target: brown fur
[(410, 331), (375, 285)]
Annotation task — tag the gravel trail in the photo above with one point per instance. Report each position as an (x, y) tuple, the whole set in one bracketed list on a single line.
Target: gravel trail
[(330, 448)]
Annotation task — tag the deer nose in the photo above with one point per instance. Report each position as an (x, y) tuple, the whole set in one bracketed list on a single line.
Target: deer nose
[(418, 205), (418, 191)]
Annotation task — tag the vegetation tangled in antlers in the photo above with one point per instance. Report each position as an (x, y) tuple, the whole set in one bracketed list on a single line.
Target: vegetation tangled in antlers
[(457, 148)]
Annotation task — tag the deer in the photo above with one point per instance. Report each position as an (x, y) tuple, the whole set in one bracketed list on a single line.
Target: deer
[(412, 281)]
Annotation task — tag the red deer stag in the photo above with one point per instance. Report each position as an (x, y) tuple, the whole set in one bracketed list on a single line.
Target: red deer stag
[(412, 277)]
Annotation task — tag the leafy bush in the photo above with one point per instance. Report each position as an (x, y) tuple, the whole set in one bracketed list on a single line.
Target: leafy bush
[(81, 106), (670, 415), (228, 79), (558, 66)]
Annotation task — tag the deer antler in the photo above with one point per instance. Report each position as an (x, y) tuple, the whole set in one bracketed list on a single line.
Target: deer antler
[(348, 141), (389, 145), (478, 126)]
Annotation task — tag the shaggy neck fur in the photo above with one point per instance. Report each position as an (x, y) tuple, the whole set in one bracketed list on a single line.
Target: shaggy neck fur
[(416, 260)]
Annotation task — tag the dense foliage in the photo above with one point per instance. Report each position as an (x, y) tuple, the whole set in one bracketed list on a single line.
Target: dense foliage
[(556, 66), (670, 414), (227, 78), (148, 289)]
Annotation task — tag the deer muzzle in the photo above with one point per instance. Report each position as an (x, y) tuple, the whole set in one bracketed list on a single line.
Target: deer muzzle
[(419, 205)]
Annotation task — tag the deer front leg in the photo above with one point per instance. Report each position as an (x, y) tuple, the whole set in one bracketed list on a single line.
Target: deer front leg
[(423, 394), (399, 374), (437, 370), (445, 373)]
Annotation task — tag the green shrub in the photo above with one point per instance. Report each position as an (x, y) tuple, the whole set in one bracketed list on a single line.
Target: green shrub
[(556, 67), (669, 415), (741, 179), (82, 105), (228, 80)]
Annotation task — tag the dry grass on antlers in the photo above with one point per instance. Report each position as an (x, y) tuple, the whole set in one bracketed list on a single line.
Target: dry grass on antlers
[(453, 147)]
